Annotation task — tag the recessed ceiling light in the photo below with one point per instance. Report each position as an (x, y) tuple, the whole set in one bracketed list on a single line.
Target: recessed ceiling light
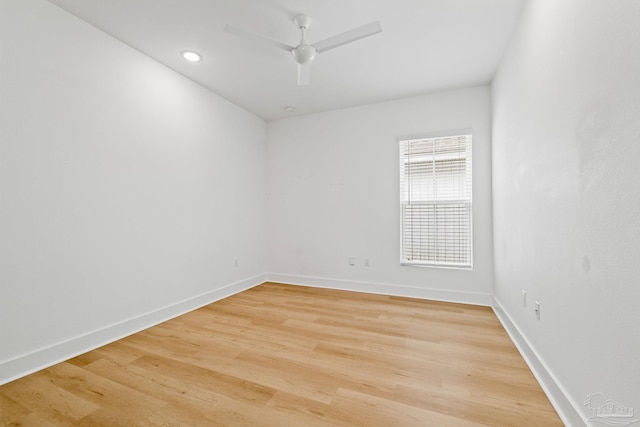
[(191, 56), (289, 109)]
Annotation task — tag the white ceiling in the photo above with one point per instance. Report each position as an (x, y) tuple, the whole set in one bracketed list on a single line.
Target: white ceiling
[(425, 46)]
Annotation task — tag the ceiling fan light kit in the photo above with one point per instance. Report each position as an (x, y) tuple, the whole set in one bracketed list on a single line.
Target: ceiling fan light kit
[(305, 53)]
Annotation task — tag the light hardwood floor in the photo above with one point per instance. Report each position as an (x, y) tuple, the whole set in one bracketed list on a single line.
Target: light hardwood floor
[(280, 355)]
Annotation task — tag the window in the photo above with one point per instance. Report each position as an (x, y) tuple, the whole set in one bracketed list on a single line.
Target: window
[(435, 202)]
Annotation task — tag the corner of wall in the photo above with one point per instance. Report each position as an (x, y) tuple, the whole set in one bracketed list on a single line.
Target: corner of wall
[(557, 395)]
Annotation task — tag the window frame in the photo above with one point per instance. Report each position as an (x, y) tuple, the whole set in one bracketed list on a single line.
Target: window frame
[(468, 174)]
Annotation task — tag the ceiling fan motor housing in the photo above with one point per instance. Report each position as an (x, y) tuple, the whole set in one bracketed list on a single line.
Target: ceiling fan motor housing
[(304, 53)]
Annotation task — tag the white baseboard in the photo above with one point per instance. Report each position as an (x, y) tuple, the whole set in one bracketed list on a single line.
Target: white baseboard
[(568, 410), (385, 289), (43, 358)]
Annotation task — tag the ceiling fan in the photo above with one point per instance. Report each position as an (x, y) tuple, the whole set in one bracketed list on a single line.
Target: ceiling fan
[(305, 53)]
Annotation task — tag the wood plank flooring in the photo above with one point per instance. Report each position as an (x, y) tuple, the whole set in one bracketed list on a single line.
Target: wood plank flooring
[(280, 355)]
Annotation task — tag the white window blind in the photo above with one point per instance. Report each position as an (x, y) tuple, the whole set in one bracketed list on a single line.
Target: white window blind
[(435, 202)]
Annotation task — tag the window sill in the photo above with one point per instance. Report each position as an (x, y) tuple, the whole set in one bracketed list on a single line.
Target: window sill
[(446, 266)]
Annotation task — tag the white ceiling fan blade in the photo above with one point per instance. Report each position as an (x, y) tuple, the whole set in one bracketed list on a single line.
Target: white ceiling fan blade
[(250, 36), (348, 36), (304, 74)]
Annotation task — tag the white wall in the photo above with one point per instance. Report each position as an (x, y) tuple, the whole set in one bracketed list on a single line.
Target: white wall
[(566, 187), (333, 181), (126, 189)]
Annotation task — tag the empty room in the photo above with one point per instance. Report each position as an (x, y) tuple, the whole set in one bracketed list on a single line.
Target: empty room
[(312, 213)]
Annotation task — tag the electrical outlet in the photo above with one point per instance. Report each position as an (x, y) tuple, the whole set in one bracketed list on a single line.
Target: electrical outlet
[(537, 309), (352, 261), (366, 262), (524, 298)]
